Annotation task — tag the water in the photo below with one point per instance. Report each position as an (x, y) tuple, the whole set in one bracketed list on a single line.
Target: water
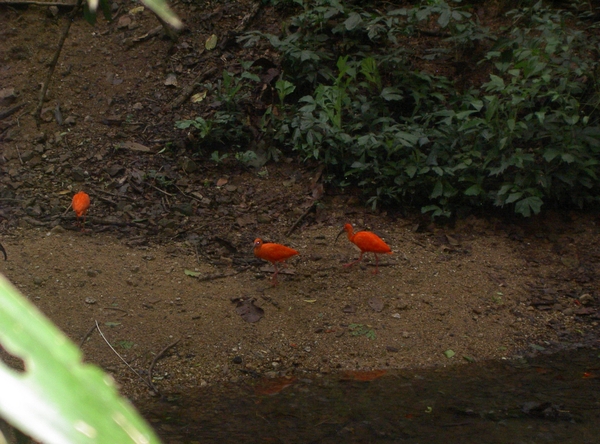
[(547, 399)]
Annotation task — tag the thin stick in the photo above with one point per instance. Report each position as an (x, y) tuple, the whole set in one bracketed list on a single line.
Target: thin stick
[(158, 189), (156, 358), (115, 308), (87, 335), (7, 112), (37, 113), (121, 357), (301, 218)]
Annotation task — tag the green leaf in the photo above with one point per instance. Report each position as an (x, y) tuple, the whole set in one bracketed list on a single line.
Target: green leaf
[(444, 18), (411, 170), (389, 93), (513, 197), (449, 353), (353, 20), (550, 154), (438, 190), (495, 84), (473, 190), (161, 9), (529, 204), (569, 158), (58, 398)]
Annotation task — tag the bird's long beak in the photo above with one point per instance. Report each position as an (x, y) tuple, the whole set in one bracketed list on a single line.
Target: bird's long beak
[(338, 235)]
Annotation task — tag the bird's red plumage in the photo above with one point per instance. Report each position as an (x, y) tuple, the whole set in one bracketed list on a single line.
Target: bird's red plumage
[(81, 203), (272, 252), (370, 242), (367, 242)]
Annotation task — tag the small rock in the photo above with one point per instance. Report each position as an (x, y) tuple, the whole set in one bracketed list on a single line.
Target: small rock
[(237, 360), (38, 281), (586, 299), (376, 303), (27, 155), (391, 349), (114, 170), (90, 300), (138, 106), (124, 22), (188, 166), (185, 208), (57, 230), (8, 96), (70, 120), (92, 273), (167, 223), (349, 309), (171, 80), (405, 334), (78, 174), (263, 219)]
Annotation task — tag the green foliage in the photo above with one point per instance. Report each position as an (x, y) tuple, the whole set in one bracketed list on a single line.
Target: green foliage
[(527, 136), (58, 398), (362, 330)]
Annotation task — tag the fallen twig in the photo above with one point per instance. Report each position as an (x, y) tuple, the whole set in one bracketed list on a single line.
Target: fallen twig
[(189, 90), (150, 386), (87, 335), (301, 218), (117, 309), (10, 111), (156, 358), (37, 113)]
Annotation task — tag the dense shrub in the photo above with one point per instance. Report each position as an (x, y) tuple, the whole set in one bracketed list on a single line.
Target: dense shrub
[(356, 97)]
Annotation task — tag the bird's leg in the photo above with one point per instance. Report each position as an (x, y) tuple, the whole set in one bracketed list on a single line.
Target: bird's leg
[(376, 264), (274, 279), (358, 260)]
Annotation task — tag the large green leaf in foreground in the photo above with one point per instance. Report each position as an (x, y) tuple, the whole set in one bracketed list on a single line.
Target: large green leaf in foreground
[(58, 399)]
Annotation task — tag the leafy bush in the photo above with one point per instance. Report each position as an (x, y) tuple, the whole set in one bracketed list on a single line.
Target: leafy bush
[(357, 101)]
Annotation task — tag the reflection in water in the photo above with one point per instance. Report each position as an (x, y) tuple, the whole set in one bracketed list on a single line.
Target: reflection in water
[(545, 399)]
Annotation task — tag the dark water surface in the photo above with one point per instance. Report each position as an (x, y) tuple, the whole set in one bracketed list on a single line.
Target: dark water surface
[(547, 399)]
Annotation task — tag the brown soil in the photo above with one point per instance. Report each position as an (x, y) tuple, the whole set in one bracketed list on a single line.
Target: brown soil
[(484, 288)]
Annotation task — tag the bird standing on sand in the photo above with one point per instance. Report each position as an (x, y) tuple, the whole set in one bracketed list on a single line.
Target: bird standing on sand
[(367, 242), (81, 203), (273, 253)]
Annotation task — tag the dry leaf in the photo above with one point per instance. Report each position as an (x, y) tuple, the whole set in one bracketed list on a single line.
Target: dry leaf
[(211, 42)]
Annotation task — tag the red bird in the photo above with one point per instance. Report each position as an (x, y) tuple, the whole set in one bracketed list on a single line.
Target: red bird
[(273, 253), (367, 242), (81, 203)]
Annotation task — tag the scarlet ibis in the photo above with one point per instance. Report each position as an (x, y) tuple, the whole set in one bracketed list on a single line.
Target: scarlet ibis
[(367, 242), (273, 253), (81, 203)]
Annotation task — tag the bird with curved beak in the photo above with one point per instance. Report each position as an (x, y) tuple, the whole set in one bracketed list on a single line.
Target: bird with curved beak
[(81, 203), (367, 242), (273, 253)]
